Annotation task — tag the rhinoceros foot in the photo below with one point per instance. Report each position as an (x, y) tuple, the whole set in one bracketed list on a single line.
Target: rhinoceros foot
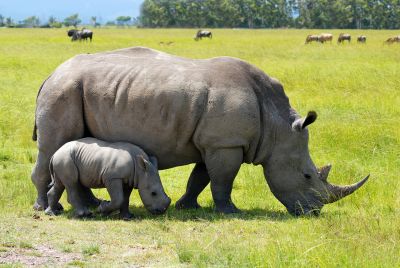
[(53, 212), (40, 205), (126, 216), (226, 207), (187, 203), (83, 213)]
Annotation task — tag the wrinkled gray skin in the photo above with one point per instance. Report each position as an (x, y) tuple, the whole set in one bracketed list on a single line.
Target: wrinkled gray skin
[(119, 167), (217, 113)]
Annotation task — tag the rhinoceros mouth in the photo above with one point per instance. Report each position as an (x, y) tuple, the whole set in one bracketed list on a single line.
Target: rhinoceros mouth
[(310, 209), (311, 212)]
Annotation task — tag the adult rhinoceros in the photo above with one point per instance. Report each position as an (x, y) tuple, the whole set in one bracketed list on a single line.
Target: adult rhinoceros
[(217, 113)]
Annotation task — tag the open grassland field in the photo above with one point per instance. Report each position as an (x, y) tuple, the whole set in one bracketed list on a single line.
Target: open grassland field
[(354, 88)]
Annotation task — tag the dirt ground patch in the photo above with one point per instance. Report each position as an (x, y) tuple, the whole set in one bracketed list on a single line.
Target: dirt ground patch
[(37, 256)]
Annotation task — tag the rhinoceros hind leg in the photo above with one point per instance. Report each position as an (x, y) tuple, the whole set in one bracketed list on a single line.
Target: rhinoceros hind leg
[(223, 166), (88, 196), (198, 180), (41, 179), (54, 195), (76, 200)]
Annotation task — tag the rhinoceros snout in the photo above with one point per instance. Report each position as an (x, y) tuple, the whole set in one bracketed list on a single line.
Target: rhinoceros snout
[(158, 211), (307, 210)]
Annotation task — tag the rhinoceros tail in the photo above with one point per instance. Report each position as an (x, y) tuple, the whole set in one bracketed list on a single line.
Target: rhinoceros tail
[(34, 134), (54, 178), (52, 175)]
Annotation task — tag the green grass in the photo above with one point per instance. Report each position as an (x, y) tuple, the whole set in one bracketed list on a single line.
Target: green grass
[(354, 88), (91, 250)]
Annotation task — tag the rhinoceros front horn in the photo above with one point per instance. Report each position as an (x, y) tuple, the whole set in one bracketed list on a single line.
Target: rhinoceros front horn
[(336, 192)]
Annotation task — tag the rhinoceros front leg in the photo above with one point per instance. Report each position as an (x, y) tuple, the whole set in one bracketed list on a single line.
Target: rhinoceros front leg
[(124, 212), (198, 180), (116, 192), (223, 166)]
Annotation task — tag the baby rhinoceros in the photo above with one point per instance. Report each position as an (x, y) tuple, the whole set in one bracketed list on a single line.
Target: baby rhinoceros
[(119, 167)]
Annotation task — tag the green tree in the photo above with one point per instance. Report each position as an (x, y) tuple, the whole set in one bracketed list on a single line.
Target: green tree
[(52, 20), (9, 22), (94, 22), (53, 23), (72, 20), (271, 13), (123, 20), (31, 21)]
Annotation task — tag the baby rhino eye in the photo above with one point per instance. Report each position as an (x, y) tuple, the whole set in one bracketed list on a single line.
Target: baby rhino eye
[(153, 193), (307, 176)]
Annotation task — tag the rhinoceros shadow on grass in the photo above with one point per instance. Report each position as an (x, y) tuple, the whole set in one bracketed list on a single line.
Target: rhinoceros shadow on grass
[(206, 213)]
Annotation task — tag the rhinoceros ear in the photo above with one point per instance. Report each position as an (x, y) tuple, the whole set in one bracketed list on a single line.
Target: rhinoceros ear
[(143, 163), (154, 161), (302, 123)]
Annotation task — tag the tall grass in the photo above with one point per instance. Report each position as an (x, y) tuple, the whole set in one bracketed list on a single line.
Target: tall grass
[(353, 87)]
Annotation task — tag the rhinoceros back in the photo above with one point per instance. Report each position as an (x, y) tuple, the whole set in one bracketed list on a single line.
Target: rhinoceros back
[(144, 97)]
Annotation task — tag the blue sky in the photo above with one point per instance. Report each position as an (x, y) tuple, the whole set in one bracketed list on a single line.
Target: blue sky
[(104, 10)]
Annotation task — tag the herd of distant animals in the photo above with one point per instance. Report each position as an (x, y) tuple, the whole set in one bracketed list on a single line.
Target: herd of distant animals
[(327, 37), (84, 34)]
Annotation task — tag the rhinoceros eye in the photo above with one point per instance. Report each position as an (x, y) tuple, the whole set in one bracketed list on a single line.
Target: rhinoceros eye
[(307, 176)]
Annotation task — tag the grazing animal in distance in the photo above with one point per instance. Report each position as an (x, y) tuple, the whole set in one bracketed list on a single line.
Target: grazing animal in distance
[(391, 40), (83, 34), (86, 34), (216, 113), (169, 43), (76, 36), (325, 37), (202, 33), (71, 32), (361, 39), (343, 37), (311, 38), (120, 167)]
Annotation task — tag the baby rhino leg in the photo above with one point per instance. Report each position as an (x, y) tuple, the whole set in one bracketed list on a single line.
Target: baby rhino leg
[(124, 210), (68, 174), (54, 195), (74, 192), (116, 192)]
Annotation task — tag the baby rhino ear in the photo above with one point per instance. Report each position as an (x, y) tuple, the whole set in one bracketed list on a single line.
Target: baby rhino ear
[(143, 164), (302, 123)]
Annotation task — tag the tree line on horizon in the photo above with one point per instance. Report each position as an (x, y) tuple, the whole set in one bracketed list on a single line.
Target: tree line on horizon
[(351, 14), (323, 14), (53, 22)]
